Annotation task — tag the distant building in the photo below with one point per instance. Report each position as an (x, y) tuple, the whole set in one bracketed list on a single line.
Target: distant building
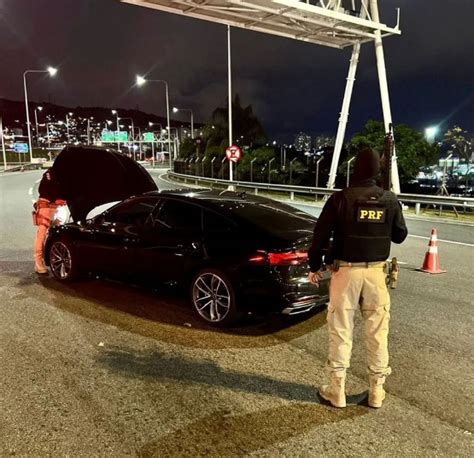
[(303, 142)]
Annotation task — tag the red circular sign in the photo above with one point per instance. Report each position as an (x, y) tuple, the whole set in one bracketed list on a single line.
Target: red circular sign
[(233, 153)]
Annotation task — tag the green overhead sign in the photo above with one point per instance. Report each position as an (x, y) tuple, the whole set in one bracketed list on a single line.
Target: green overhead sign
[(111, 136), (148, 137)]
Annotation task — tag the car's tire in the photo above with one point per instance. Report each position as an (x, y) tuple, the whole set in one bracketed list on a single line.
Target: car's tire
[(63, 260), (213, 297)]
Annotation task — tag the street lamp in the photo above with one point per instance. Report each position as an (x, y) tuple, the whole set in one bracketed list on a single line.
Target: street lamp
[(89, 129), (133, 130), (222, 166), (291, 168), (212, 166), (175, 110), (251, 168), (52, 71), (317, 170), (430, 133), (140, 82), (36, 121), (348, 170), (114, 112), (151, 124), (270, 167), (67, 125)]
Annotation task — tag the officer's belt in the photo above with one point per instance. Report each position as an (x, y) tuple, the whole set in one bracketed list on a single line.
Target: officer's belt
[(374, 264)]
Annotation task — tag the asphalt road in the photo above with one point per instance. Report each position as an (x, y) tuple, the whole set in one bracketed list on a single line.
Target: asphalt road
[(102, 369)]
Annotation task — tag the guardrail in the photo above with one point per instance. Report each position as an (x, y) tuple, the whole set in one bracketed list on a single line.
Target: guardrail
[(464, 203)]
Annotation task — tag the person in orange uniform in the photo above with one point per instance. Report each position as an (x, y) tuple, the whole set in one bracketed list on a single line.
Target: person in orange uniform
[(49, 200)]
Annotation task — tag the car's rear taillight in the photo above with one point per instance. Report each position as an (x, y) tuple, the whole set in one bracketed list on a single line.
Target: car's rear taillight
[(291, 258), (288, 258)]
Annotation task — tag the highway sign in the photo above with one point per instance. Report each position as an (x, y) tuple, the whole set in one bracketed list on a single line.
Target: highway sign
[(111, 136), (121, 136), (233, 153), (20, 147), (107, 136), (148, 137)]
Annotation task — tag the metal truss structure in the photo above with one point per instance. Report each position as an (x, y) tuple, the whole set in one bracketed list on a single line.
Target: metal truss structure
[(325, 23), (332, 23)]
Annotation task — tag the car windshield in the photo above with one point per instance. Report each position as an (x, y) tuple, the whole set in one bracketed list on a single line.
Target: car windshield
[(278, 219)]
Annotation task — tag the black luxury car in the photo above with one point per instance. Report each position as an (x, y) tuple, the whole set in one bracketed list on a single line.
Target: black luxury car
[(232, 251)]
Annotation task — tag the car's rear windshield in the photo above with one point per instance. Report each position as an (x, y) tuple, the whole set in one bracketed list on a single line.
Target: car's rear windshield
[(277, 219)]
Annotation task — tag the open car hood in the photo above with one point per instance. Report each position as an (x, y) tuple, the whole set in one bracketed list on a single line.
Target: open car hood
[(90, 176)]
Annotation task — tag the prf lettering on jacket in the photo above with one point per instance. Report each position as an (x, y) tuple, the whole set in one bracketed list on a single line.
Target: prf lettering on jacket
[(371, 215)]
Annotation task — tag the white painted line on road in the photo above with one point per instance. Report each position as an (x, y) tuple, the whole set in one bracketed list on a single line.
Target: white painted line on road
[(30, 192), (441, 240)]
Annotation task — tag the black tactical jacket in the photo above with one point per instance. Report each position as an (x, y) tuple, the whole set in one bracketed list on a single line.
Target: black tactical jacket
[(362, 220)]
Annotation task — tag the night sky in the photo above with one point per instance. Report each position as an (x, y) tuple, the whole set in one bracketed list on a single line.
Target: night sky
[(100, 45)]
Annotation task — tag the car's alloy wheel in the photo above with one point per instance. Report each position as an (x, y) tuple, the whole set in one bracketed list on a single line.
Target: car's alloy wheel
[(213, 297), (60, 260)]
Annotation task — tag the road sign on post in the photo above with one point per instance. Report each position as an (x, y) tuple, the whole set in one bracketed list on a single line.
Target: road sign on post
[(20, 147), (148, 137), (233, 153)]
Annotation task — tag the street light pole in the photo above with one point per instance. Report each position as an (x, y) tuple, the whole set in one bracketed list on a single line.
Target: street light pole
[(89, 130), (222, 166), (3, 145), (270, 167), (212, 166), (175, 110), (229, 77), (317, 170), (52, 71), (251, 168), (36, 121), (67, 126), (115, 112), (140, 81), (291, 168), (348, 170), (133, 131)]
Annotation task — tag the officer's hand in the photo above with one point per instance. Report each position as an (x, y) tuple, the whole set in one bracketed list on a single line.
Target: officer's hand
[(315, 277)]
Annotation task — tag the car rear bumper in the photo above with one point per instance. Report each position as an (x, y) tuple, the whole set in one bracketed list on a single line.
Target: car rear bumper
[(304, 304), (287, 295)]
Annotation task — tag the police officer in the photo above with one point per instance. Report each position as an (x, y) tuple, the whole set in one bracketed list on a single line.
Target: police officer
[(50, 199), (362, 219)]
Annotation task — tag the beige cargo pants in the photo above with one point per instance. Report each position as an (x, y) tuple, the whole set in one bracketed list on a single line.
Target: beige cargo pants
[(354, 286)]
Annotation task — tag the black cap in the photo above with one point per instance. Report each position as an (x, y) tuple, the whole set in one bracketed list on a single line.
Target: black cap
[(367, 165)]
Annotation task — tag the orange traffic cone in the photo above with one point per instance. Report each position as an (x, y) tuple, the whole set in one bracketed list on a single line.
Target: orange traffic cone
[(431, 262)]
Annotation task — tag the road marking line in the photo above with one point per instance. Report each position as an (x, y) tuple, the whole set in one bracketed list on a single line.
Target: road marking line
[(441, 240)]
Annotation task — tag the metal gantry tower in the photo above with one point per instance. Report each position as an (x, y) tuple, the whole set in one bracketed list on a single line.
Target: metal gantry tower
[(332, 23)]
